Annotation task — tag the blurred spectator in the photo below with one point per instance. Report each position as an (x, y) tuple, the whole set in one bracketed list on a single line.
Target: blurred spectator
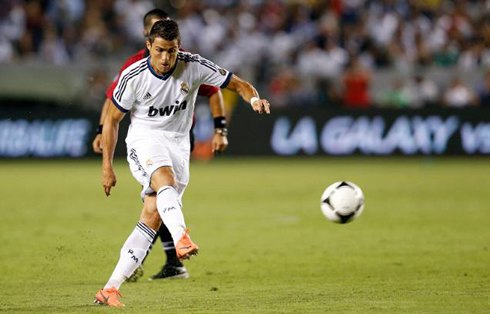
[(281, 86), (395, 97), (447, 56), (418, 92), (459, 95), (421, 92), (12, 27), (476, 56), (484, 91), (327, 94), (33, 35), (324, 62), (53, 48), (131, 12), (286, 90), (356, 85), (317, 39)]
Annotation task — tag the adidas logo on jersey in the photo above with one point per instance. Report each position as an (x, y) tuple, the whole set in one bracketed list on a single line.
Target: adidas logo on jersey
[(166, 111), (147, 96)]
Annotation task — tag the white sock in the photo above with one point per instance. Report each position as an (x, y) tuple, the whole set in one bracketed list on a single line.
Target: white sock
[(170, 211), (132, 254)]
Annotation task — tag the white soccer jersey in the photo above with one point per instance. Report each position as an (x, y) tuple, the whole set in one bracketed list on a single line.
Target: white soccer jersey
[(166, 102)]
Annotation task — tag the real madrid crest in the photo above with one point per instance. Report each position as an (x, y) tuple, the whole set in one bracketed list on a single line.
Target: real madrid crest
[(222, 71), (184, 88), (149, 163)]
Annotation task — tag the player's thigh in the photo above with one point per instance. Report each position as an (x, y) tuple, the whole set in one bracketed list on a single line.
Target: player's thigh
[(180, 156), (162, 176), (144, 157)]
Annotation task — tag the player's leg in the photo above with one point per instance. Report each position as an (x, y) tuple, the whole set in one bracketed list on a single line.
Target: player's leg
[(168, 245), (132, 254), (173, 268), (150, 207), (164, 235), (170, 209)]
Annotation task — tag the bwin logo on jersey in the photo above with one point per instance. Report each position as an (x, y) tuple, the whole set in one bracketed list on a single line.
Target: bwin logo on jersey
[(166, 111)]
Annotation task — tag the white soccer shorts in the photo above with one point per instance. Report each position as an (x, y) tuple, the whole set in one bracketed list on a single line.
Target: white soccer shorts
[(149, 150)]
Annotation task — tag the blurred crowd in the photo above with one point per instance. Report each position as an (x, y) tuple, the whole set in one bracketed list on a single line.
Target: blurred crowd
[(301, 53)]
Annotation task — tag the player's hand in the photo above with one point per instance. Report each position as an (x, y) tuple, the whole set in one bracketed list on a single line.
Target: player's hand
[(261, 106), (108, 180), (97, 144), (219, 143)]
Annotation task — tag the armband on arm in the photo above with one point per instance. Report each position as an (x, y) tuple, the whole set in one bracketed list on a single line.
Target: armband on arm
[(254, 99), (220, 126)]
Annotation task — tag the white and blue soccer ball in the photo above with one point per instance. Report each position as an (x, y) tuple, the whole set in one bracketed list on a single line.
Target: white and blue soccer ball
[(342, 202)]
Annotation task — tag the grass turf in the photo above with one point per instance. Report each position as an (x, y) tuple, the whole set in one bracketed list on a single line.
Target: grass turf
[(421, 245)]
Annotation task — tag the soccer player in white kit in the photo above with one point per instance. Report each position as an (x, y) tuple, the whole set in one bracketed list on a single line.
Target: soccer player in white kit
[(159, 92)]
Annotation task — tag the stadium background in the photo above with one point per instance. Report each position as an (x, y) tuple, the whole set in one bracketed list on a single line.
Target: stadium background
[(428, 59), (344, 77)]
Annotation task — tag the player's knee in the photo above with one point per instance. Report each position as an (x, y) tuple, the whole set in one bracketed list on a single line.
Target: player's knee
[(161, 177)]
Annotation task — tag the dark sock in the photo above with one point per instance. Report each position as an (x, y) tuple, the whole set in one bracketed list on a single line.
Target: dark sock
[(168, 246)]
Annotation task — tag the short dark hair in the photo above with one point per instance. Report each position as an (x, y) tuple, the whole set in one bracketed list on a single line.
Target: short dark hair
[(155, 13), (166, 29)]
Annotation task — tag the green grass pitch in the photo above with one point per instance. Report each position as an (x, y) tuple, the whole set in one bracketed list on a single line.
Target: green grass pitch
[(422, 244)]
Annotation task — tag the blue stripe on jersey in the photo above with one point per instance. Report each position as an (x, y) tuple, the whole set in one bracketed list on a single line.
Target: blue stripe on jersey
[(123, 84), (118, 106), (186, 57), (194, 58), (209, 64), (164, 76), (122, 88), (129, 78), (227, 81), (124, 78)]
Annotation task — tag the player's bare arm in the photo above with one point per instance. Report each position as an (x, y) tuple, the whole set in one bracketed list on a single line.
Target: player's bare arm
[(97, 143), (220, 141), (109, 140), (249, 94)]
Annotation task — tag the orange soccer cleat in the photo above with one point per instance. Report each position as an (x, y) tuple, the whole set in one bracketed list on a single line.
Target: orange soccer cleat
[(185, 247), (108, 297)]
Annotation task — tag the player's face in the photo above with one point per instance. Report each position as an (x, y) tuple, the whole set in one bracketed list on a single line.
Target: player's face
[(163, 54)]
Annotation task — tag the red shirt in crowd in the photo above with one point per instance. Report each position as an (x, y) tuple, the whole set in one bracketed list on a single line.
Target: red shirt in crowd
[(356, 87)]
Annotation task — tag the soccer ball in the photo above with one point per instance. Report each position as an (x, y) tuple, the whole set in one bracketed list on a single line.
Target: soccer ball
[(342, 202)]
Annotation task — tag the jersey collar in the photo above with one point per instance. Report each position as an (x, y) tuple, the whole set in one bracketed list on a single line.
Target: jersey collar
[(166, 75)]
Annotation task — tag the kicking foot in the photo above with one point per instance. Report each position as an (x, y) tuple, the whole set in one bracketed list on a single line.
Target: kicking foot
[(170, 271), (108, 297), (185, 247)]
